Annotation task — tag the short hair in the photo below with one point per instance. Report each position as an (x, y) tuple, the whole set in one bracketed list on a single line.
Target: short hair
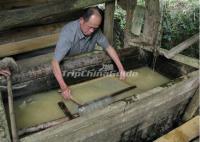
[(92, 11)]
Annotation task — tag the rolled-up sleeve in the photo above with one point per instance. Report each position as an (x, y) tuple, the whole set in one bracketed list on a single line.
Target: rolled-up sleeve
[(63, 45), (102, 40)]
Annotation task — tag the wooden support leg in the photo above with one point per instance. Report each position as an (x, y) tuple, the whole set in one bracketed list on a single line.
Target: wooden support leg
[(11, 110)]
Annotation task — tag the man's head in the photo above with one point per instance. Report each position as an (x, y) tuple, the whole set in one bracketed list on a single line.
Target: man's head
[(91, 20)]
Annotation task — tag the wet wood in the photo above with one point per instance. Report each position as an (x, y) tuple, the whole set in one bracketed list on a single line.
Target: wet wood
[(65, 110), (192, 107), (20, 17), (184, 133), (42, 126)]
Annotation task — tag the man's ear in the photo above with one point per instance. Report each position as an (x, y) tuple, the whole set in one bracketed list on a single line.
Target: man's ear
[(81, 20)]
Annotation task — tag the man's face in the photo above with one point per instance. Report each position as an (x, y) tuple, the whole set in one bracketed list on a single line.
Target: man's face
[(90, 26)]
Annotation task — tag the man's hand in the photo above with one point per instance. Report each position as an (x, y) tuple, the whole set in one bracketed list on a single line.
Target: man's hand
[(122, 74), (66, 93), (5, 72)]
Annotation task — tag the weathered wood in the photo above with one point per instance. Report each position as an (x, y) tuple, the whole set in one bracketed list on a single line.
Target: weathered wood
[(20, 17), (109, 20), (29, 32), (39, 76), (11, 4), (152, 21), (179, 57), (192, 107), (4, 130), (28, 45), (42, 126), (182, 46), (11, 111), (119, 117), (184, 133), (130, 7), (182, 58)]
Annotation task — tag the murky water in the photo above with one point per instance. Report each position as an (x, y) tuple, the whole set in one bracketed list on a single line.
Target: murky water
[(42, 107)]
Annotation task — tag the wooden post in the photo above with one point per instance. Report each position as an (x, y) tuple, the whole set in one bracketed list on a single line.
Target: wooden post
[(130, 7), (109, 20), (192, 107)]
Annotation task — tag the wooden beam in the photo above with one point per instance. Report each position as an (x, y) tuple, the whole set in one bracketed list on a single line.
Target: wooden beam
[(28, 45), (179, 57), (184, 133), (182, 46), (109, 21), (20, 17), (11, 4), (29, 32), (192, 107)]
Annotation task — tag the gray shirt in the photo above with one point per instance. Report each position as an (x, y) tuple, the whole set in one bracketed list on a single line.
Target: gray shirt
[(72, 41)]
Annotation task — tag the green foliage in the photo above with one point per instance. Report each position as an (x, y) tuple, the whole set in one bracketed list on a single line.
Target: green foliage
[(120, 15), (180, 21)]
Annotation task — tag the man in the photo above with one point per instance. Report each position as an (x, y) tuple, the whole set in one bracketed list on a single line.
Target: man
[(78, 37)]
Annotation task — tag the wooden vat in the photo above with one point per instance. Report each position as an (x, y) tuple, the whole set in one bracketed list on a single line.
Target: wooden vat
[(141, 117)]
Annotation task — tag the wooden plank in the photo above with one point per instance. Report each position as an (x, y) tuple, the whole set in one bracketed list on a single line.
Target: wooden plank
[(182, 46), (29, 32), (28, 45), (109, 21), (192, 107), (20, 17), (4, 131), (184, 133)]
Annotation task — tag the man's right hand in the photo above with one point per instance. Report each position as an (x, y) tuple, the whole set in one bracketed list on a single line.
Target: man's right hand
[(66, 93), (5, 72)]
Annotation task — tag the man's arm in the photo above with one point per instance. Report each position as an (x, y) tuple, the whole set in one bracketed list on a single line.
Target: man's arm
[(58, 74), (113, 54)]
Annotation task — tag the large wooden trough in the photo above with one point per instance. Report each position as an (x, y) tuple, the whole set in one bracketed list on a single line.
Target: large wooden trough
[(139, 117)]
